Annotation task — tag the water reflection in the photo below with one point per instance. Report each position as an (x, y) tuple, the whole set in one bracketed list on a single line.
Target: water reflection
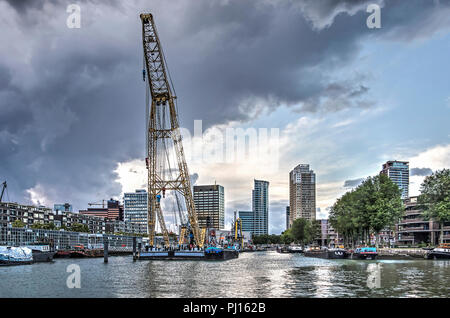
[(251, 275)]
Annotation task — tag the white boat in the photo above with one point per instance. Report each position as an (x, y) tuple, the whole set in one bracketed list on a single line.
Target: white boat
[(15, 255)]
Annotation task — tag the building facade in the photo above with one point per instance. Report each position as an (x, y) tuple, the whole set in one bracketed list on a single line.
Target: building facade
[(135, 210), (113, 211), (62, 208), (398, 172), (209, 203), (302, 193), (247, 220), (260, 207), (413, 229), (28, 214)]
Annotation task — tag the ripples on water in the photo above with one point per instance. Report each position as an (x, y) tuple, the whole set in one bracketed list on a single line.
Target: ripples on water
[(267, 274)]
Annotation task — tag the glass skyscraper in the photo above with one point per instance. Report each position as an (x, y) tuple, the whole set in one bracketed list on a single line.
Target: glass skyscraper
[(398, 172), (260, 207), (135, 209)]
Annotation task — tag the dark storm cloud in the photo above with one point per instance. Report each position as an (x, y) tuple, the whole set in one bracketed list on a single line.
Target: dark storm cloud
[(353, 183), (72, 100), (423, 172)]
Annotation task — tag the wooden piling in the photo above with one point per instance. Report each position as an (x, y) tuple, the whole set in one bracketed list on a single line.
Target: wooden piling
[(105, 249)]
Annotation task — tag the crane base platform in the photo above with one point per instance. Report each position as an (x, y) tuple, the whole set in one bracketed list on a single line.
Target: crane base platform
[(186, 255)]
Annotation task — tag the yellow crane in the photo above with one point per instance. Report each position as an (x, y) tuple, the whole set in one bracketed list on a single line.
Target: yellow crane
[(163, 136)]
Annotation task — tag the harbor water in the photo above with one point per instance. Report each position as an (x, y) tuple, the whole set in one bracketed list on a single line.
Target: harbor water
[(257, 274)]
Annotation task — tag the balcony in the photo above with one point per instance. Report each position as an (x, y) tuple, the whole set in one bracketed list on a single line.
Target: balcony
[(418, 220)]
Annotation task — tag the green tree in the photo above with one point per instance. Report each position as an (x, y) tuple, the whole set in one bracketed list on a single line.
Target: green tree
[(76, 227), (18, 223), (435, 198), (286, 237), (300, 231)]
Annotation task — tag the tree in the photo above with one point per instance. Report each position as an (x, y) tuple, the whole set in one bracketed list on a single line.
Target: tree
[(76, 227), (18, 224), (286, 237), (371, 207), (300, 231), (435, 198)]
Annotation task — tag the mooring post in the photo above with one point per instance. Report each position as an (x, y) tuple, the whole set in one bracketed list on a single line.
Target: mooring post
[(105, 249), (134, 248)]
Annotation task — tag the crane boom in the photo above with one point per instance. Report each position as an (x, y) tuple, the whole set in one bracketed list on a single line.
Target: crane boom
[(3, 190), (163, 134)]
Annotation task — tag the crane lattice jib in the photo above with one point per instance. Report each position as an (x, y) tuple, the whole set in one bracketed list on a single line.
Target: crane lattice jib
[(162, 96)]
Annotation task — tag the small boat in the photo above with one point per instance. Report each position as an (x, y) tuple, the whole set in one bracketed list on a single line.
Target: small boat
[(295, 249), (217, 253), (15, 255), (440, 252), (365, 253), (41, 253), (327, 253)]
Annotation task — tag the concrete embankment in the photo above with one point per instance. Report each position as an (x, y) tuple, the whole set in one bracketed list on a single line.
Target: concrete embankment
[(401, 254)]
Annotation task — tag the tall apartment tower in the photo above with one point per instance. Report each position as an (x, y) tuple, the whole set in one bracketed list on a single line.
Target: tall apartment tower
[(260, 207), (135, 209), (398, 172), (209, 203), (302, 193)]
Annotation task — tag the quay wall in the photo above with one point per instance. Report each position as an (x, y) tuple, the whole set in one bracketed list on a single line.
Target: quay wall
[(401, 253)]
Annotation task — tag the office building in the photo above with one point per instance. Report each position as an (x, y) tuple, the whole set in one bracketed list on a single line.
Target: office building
[(247, 220), (287, 217), (260, 207), (398, 172), (135, 209), (209, 203), (62, 208), (302, 193)]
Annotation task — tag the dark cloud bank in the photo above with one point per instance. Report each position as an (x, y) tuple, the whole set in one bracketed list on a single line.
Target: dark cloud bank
[(72, 100)]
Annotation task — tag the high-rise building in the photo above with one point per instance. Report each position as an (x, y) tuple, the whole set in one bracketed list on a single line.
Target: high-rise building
[(210, 206), (260, 207), (247, 220), (287, 217), (62, 208), (135, 209), (302, 193), (398, 172)]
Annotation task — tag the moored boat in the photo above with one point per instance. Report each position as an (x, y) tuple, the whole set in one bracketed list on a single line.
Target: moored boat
[(440, 252), (295, 249), (327, 253), (41, 253), (369, 253), (15, 255)]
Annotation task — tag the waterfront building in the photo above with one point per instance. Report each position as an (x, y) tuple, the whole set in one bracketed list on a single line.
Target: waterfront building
[(28, 214), (287, 217), (62, 208), (247, 220), (413, 229), (135, 209), (113, 211), (398, 172), (302, 193), (95, 224), (260, 207), (209, 203)]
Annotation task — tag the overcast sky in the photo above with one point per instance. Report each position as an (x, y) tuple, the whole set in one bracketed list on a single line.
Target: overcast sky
[(344, 98)]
